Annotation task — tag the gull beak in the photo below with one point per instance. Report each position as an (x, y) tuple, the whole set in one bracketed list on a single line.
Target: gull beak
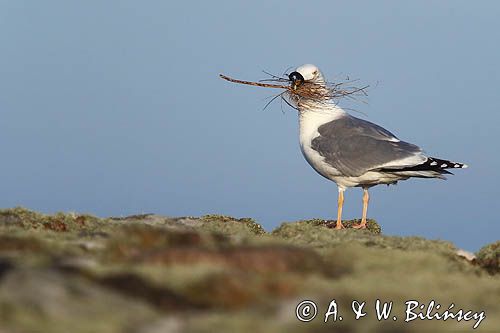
[(296, 83)]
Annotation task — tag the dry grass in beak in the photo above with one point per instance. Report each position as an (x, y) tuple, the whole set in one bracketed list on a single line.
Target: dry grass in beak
[(307, 90)]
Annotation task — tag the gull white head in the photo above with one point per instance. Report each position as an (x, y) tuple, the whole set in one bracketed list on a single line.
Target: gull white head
[(309, 89), (306, 73)]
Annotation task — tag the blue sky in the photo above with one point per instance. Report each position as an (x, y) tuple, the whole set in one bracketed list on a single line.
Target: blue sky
[(116, 108)]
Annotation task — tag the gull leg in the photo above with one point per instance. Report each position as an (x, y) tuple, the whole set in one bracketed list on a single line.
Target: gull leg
[(366, 199), (339, 209)]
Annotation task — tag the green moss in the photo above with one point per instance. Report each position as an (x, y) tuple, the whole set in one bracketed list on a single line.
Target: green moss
[(59, 222), (231, 225), (149, 273), (316, 233), (371, 225), (488, 257), (20, 216)]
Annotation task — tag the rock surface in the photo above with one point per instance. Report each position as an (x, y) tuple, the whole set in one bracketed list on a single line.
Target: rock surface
[(149, 273)]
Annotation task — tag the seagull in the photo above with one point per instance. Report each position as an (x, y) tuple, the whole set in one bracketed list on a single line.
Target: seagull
[(353, 152)]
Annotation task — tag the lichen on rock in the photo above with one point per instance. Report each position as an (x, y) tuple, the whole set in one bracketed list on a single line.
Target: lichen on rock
[(152, 273), (488, 257)]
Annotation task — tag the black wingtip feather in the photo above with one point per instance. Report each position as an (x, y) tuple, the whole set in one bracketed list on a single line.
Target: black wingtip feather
[(434, 164)]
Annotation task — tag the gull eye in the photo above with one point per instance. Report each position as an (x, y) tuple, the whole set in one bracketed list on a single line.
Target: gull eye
[(296, 77)]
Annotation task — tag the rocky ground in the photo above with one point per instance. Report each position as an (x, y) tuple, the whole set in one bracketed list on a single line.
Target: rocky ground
[(154, 274)]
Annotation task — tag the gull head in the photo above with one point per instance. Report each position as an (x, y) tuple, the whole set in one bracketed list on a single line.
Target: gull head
[(306, 73), (308, 89)]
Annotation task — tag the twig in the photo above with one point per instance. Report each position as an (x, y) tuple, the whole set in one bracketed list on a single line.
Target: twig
[(266, 85), (307, 90)]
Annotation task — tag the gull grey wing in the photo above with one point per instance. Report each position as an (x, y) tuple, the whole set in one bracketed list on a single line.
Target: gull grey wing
[(354, 146), (355, 126)]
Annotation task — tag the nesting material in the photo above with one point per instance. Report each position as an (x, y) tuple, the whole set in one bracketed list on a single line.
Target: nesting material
[(307, 90)]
